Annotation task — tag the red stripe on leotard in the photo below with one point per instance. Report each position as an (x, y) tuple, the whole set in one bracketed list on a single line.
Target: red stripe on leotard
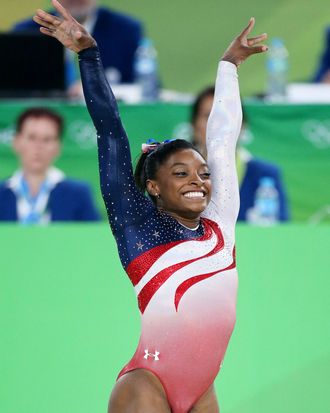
[(159, 279), (141, 264), (194, 280)]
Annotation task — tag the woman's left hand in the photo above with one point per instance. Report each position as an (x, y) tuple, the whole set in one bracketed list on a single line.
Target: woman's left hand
[(242, 47)]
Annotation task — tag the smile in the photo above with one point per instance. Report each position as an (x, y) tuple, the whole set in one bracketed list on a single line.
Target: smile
[(194, 194)]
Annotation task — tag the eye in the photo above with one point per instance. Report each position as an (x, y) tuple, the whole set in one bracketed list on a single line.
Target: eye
[(180, 173), (206, 175)]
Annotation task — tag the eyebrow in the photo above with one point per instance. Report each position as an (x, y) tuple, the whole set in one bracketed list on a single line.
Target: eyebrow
[(186, 164)]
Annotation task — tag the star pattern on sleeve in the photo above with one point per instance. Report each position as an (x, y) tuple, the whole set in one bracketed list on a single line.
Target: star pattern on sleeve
[(156, 234), (139, 246)]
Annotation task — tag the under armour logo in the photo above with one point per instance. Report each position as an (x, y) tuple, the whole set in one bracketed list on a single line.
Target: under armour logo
[(147, 354)]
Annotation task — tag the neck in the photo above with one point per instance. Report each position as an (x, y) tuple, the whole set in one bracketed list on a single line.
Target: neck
[(34, 181), (189, 222)]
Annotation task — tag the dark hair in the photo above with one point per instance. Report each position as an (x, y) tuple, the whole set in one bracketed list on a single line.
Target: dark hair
[(39, 113), (148, 164), (205, 93)]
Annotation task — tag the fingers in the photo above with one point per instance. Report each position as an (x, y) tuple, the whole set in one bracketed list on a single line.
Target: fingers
[(46, 17), (47, 32), (258, 49), (255, 40), (43, 23), (58, 6), (248, 28)]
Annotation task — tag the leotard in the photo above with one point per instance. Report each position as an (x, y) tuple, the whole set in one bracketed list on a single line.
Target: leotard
[(185, 280)]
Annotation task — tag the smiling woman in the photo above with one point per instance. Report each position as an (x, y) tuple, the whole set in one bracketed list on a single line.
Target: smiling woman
[(178, 249), (177, 179)]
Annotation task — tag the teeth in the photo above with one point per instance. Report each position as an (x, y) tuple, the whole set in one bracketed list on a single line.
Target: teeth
[(194, 194)]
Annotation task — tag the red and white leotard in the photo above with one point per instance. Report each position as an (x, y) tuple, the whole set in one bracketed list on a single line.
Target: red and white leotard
[(185, 280)]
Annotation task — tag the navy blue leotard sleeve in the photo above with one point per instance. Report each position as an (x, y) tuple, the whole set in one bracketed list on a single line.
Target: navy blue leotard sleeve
[(125, 204)]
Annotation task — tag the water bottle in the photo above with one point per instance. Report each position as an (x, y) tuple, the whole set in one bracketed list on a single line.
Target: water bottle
[(277, 70), (266, 205), (146, 70)]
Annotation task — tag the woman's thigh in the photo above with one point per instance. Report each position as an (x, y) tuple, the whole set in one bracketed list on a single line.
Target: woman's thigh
[(138, 391), (208, 403)]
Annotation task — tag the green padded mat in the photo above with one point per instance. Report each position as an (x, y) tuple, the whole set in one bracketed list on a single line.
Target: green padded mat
[(69, 321)]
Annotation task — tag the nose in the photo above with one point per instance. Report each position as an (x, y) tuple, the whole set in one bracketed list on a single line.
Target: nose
[(196, 180)]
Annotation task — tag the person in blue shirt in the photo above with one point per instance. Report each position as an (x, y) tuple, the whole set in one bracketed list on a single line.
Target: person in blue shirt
[(39, 193), (117, 35), (250, 170), (323, 71)]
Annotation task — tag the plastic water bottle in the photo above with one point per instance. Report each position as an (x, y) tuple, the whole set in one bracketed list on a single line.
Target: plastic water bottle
[(266, 205), (146, 70), (277, 69)]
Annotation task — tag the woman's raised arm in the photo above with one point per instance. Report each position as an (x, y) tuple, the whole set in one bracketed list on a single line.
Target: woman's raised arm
[(116, 174), (223, 129)]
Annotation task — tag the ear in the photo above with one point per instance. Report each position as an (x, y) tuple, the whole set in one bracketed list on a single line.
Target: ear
[(152, 187)]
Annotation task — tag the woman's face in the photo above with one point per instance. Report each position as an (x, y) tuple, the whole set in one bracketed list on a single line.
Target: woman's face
[(183, 184)]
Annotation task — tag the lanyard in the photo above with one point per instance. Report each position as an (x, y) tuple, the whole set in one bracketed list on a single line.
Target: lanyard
[(35, 207)]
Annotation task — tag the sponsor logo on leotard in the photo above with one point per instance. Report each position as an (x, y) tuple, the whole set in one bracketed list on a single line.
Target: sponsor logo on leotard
[(155, 355)]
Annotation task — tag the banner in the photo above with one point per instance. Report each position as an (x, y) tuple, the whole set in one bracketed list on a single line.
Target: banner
[(295, 137)]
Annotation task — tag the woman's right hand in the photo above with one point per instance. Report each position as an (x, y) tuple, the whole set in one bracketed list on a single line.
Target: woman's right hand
[(65, 28)]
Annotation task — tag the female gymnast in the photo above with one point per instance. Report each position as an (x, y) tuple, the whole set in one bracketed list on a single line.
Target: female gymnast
[(177, 242)]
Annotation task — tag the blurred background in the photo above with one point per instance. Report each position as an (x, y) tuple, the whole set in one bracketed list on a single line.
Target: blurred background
[(68, 316), (190, 36)]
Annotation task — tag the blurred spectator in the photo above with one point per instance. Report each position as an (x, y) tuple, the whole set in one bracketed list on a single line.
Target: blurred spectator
[(117, 36), (323, 71), (250, 170), (38, 192)]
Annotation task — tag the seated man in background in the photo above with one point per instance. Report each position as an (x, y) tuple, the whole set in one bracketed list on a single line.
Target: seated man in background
[(116, 34), (39, 193), (323, 71), (251, 171)]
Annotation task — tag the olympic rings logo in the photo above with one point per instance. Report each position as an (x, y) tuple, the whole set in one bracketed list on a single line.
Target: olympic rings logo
[(82, 133), (6, 136), (317, 132)]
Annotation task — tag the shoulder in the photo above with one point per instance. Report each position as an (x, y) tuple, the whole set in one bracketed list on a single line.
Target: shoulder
[(73, 186), (327, 38), (4, 189), (7, 196), (25, 25), (106, 15), (72, 200), (327, 33), (7, 203), (72, 192)]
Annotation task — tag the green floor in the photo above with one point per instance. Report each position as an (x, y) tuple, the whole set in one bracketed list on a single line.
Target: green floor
[(69, 322)]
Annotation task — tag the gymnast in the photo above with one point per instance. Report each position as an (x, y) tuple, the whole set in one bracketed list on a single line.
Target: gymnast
[(175, 233)]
